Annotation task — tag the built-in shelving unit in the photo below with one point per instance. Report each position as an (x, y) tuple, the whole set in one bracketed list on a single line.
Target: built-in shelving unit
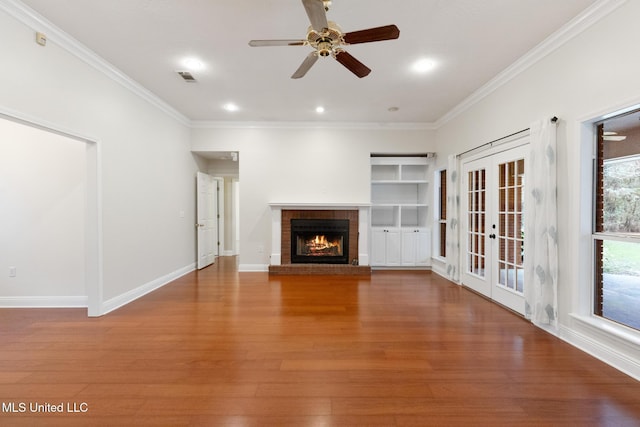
[(399, 206)]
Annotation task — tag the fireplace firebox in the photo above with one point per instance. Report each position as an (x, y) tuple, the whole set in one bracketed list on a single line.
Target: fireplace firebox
[(319, 241)]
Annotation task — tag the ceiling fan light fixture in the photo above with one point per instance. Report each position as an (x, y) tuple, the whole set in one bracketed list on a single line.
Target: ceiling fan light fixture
[(325, 48)]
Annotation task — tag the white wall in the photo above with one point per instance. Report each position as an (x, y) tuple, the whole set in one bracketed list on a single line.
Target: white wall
[(595, 72), (147, 172), (313, 165), (42, 219)]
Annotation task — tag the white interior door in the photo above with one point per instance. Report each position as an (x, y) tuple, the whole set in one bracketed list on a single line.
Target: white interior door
[(493, 226), (207, 221)]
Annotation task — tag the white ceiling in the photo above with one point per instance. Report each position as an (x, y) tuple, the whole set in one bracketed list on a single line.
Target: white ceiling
[(470, 40)]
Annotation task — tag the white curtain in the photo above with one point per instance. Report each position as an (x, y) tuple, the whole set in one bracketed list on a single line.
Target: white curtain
[(541, 232), (453, 230)]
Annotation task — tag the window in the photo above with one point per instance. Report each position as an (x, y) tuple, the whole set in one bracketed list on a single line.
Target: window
[(442, 218), (616, 234)]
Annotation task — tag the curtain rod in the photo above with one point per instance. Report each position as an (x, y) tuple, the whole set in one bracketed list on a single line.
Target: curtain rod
[(553, 119)]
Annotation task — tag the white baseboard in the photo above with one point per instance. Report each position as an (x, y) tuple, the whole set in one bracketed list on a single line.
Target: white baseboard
[(439, 270), (44, 302), (134, 294), (600, 351), (248, 268)]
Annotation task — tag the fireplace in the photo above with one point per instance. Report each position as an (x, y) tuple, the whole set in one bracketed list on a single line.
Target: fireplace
[(352, 218), (319, 241)]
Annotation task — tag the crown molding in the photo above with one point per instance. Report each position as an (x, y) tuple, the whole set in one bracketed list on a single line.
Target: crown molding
[(37, 22), (576, 26), (311, 125), (590, 16)]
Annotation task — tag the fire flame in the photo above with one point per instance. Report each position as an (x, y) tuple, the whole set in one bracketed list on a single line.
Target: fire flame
[(319, 244)]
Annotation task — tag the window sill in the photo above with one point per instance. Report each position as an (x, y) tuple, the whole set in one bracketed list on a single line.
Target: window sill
[(622, 333)]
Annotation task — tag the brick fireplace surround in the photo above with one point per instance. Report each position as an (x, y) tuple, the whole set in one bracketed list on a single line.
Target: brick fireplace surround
[(281, 238)]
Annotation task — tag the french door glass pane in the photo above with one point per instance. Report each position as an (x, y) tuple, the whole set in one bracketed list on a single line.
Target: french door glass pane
[(510, 220), (476, 218)]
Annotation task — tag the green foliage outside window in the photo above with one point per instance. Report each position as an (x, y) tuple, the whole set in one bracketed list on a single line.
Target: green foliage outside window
[(622, 196)]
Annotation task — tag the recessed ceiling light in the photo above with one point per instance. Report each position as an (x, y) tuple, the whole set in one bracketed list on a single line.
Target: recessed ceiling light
[(424, 65), (393, 109), (231, 107), (193, 64), (320, 110)]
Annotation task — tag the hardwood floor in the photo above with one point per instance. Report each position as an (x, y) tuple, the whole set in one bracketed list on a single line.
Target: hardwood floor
[(221, 348)]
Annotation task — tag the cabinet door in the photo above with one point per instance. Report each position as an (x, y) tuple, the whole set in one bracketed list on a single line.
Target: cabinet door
[(409, 246), (423, 247), (378, 247), (394, 247), (416, 247)]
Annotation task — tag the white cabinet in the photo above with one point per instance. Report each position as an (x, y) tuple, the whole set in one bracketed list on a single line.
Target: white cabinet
[(386, 247), (399, 211), (416, 247)]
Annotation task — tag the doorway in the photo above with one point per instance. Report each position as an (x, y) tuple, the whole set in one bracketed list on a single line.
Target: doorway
[(69, 201), (222, 171), (493, 226)]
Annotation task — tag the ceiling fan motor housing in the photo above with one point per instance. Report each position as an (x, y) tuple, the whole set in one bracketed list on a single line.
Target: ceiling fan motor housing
[(325, 41)]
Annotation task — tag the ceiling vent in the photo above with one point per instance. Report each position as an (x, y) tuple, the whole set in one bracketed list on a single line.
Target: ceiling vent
[(187, 76)]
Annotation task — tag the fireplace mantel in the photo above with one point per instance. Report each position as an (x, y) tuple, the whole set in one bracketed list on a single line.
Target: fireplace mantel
[(363, 225), (327, 206)]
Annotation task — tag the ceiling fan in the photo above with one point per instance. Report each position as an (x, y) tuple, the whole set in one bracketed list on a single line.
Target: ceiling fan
[(326, 38), (613, 136)]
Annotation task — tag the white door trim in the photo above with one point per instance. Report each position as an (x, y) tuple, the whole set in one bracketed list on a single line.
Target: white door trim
[(93, 211)]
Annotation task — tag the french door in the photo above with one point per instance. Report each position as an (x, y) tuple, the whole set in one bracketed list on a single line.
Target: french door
[(493, 215)]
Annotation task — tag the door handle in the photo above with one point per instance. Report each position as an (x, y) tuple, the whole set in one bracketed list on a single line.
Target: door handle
[(492, 236), (199, 225)]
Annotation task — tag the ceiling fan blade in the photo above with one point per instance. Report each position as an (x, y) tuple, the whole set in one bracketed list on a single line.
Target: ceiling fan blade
[(352, 64), (306, 65), (316, 13), (262, 43), (388, 32)]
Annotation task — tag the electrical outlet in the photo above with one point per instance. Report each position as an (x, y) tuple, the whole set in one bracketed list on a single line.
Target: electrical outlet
[(12, 272)]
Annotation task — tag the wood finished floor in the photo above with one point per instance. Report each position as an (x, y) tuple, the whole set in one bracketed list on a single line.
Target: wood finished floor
[(221, 348)]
